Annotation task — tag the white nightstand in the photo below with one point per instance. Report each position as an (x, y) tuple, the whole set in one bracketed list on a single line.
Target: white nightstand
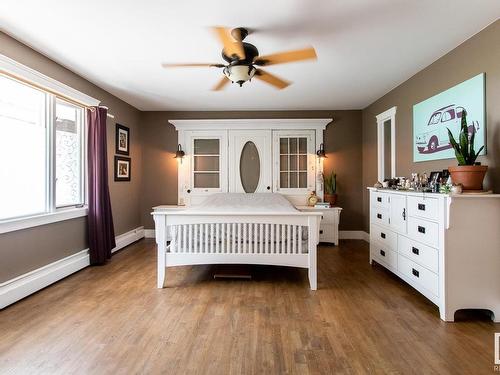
[(329, 228)]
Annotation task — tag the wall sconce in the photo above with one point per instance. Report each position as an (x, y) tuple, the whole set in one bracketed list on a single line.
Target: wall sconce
[(179, 154), (321, 152)]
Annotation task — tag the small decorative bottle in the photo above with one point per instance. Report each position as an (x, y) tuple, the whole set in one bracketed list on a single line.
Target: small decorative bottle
[(312, 199)]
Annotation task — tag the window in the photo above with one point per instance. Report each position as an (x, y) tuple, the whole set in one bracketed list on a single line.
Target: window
[(435, 118), (448, 115), (41, 151)]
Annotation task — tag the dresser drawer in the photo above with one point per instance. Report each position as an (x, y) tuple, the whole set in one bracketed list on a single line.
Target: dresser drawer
[(423, 231), (422, 207), (418, 274), (419, 253), (384, 236), (379, 199), (383, 255), (380, 215)]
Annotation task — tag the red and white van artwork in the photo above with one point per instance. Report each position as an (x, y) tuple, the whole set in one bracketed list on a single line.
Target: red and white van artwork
[(435, 138)]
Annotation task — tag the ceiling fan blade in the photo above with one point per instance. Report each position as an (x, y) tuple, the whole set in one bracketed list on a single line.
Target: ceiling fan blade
[(231, 46), (221, 84), (271, 79), (286, 57), (192, 65)]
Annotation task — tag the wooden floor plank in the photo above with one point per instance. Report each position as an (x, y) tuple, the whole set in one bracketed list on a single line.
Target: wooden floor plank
[(362, 319)]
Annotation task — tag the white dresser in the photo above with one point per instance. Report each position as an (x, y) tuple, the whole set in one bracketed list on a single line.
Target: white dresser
[(329, 225), (445, 246)]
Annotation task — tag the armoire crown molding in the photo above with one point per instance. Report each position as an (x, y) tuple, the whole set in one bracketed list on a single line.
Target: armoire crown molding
[(252, 124)]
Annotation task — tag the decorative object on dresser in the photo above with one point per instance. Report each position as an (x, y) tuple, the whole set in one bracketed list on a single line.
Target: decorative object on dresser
[(122, 140), (329, 225), (432, 118), (445, 246), (330, 188), (122, 168), (468, 173)]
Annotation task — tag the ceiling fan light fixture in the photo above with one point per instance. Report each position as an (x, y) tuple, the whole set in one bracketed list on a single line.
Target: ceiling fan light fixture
[(239, 73)]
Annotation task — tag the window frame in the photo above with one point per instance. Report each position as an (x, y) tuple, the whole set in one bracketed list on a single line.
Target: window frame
[(53, 90)]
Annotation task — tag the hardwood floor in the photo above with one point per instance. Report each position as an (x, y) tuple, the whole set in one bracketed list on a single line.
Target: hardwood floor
[(362, 319)]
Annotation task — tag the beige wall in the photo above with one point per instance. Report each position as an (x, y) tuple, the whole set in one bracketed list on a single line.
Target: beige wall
[(342, 139), (25, 250), (479, 54)]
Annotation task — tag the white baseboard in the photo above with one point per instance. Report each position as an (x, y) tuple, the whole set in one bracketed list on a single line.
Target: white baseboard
[(22, 286), (127, 238), (149, 233), (354, 235)]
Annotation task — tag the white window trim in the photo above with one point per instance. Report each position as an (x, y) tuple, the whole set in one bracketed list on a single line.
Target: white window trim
[(24, 73), (25, 222), (390, 114)]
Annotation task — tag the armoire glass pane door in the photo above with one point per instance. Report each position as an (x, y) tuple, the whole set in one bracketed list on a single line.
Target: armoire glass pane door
[(293, 162), (206, 160)]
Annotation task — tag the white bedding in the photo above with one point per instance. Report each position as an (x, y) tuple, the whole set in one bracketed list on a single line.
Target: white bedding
[(242, 202)]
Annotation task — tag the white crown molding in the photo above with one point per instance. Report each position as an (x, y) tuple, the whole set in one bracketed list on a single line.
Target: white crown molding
[(248, 124), (21, 71), (22, 286)]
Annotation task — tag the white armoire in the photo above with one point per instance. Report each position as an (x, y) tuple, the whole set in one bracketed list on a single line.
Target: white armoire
[(253, 156)]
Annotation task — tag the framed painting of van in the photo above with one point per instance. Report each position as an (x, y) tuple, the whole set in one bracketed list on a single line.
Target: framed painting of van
[(433, 116)]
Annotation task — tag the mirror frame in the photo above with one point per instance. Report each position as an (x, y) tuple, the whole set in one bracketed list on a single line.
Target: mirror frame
[(389, 115)]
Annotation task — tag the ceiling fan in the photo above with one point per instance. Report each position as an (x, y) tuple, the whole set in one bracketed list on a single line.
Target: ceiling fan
[(243, 60)]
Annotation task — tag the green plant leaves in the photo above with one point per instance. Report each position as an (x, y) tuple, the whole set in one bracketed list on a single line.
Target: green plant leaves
[(464, 148)]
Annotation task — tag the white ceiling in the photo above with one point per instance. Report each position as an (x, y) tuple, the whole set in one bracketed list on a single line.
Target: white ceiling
[(365, 47)]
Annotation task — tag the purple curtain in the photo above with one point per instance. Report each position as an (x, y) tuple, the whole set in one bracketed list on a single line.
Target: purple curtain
[(100, 219)]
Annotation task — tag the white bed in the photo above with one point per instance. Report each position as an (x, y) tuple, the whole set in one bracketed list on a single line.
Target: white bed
[(238, 228)]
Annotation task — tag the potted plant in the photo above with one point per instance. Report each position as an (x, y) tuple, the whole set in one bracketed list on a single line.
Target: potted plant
[(469, 173), (330, 183)]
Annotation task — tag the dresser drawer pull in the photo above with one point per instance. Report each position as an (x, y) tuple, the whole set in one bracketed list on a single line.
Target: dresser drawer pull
[(321, 231), (382, 252), (421, 207), (379, 199), (379, 216), (421, 229), (415, 272), (415, 251), (382, 235)]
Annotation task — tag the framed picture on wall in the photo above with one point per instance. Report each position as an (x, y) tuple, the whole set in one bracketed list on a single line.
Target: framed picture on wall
[(122, 140), (434, 116), (122, 168)]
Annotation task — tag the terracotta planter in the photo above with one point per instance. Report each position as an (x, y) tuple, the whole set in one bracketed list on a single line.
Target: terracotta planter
[(470, 176), (331, 198)]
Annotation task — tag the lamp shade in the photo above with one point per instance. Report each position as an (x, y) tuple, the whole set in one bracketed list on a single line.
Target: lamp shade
[(179, 154)]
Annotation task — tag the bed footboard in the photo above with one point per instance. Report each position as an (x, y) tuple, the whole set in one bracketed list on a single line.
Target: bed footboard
[(201, 238)]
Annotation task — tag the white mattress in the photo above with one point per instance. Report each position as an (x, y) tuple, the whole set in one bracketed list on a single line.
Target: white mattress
[(242, 202)]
